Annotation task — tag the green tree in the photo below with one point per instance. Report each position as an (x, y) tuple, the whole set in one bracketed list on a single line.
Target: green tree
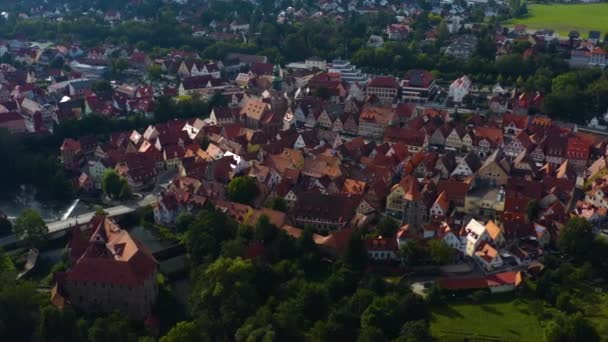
[(382, 314), (111, 184), (118, 66), (439, 252), (114, 327), (183, 221), (415, 331), (114, 186), (242, 189), (355, 254), (572, 328), (183, 332), (412, 253), (155, 72), (30, 227), (277, 203), (577, 238), (102, 87), (224, 295), (387, 227), (57, 325)]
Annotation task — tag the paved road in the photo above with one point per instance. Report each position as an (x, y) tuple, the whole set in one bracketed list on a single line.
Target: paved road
[(113, 211)]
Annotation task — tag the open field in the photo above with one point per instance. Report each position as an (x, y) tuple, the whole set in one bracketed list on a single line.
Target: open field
[(564, 18), (496, 319)]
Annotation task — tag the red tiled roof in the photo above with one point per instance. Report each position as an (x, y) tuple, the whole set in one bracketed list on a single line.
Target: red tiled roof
[(384, 82)]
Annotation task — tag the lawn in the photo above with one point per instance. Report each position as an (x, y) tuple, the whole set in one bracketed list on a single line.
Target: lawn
[(564, 18), (498, 318)]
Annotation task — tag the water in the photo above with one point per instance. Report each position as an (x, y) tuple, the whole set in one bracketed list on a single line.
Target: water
[(51, 211)]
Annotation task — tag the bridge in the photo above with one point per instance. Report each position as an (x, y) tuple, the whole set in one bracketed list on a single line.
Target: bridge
[(64, 224)]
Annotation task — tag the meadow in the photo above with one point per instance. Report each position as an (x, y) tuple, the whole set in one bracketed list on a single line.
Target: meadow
[(564, 18)]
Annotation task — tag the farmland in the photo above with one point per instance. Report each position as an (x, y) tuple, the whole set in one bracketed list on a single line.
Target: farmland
[(564, 18)]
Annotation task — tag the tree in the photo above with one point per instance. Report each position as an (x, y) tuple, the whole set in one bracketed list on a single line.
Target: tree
[(572, 328), (183, 331), (415, 331), (118, 66), (387, 227), (6, 227), (383, 314), (155, 72), (277, 203), (576, 239), (111, 184), (114, 186), (31, 228), (412, 253), (242, 189), (183, 221), (101, 87), (355, 254), (224, 295), (439, 252), (59, 325), (114, 327)]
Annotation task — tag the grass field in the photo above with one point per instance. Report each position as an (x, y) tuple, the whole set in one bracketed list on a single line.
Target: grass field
[(564, 18), (497, 317)]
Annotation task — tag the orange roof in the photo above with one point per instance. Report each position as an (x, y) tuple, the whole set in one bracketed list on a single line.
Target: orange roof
[(493, 229), (443, 201)]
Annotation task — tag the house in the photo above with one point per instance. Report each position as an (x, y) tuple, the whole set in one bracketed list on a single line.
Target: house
[(397, 31), (466, 166), (71, 154), (406, 201), (476, 234), (375, 41), (440, 208), (222, 116), (325, 212), (496, 283), (460, 88), (418, 86), (488, 257), (13, 122), (109, 271), (382, 248), (513, 124), (454, 139), (374, 120), (385, 88), (495, 169)]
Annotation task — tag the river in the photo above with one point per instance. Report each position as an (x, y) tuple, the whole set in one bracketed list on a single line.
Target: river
[(49, 212)]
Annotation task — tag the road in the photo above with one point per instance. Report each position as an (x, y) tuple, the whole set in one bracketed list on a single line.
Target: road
[(113, 211)]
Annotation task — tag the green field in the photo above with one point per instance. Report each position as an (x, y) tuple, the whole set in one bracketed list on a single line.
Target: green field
[(564, 18), (500, 318), (509, 319)]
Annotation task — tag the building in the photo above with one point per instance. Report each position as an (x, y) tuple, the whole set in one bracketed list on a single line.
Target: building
[(71, 153), (325, 212), (418, 86), (315, 62), (385, 88), (462, 47), (460, 88), (373, 121), (397, 31), (109, 271), (349, 72)]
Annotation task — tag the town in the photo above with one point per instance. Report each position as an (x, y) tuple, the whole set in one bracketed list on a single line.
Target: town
[(439, 181)]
